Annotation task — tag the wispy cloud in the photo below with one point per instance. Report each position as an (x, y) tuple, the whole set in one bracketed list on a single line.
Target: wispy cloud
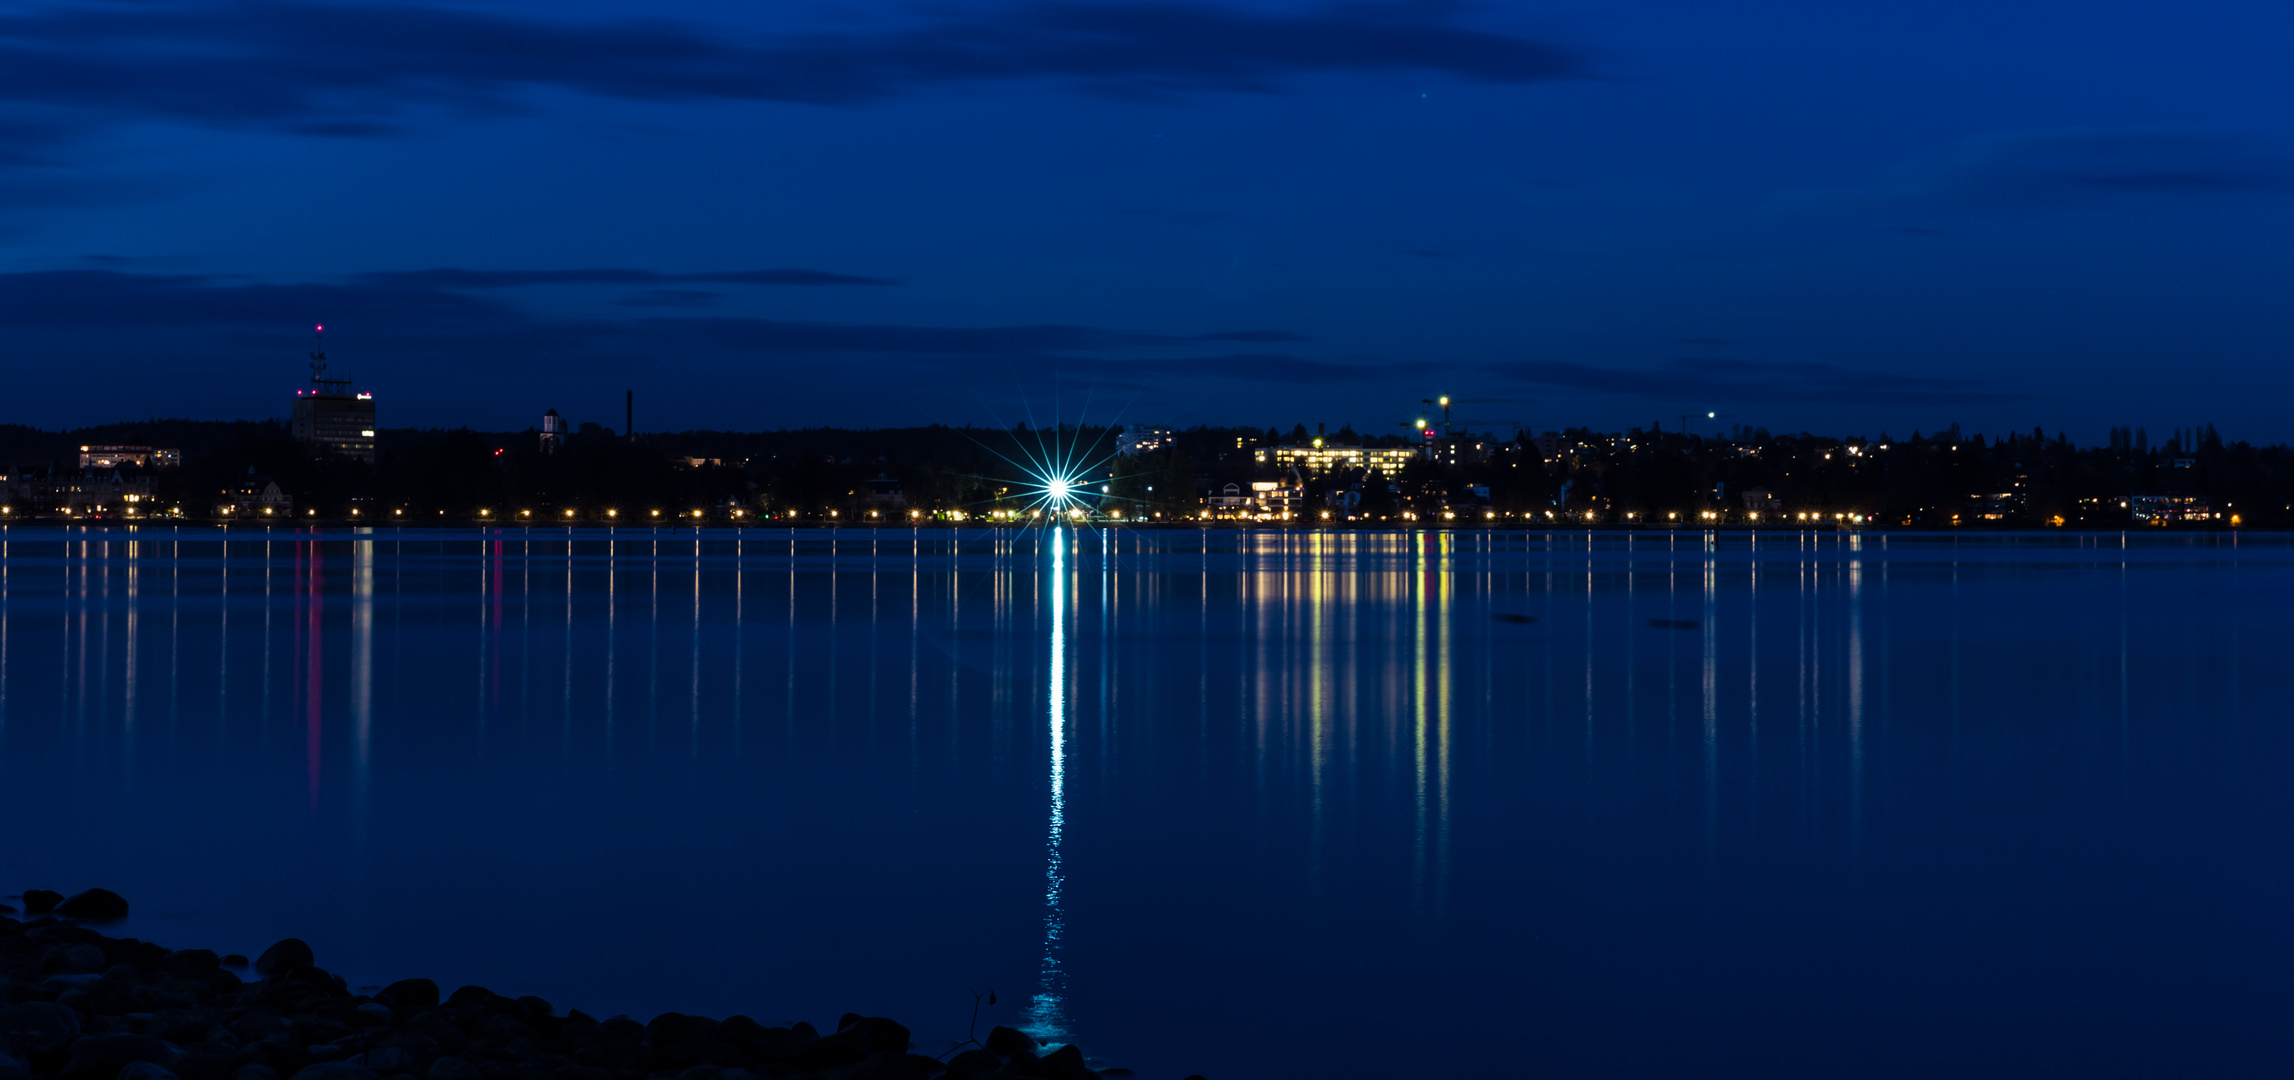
[(1252, 336), (1254, 367), (672, 298), (1742, 381), (447, 278), (2042, 171), (452, 319), (353, 69)]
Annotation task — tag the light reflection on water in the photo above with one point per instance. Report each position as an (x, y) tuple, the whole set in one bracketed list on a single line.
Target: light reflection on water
[(1633, 804), (1047, 1016)]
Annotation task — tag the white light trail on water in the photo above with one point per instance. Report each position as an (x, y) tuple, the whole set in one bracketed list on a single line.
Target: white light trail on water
[(1047, 1017)]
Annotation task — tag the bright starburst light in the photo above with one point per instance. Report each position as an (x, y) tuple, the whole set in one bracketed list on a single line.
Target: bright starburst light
[(1062, 473)]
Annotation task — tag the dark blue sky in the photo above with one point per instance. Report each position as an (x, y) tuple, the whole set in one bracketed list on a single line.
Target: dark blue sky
[(1801, 215)]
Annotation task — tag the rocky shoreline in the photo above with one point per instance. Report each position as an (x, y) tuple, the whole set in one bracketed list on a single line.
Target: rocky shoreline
[(76, 1004)]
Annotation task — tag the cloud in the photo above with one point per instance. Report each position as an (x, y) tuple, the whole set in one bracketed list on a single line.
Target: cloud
[(1194, 217), (433, 339), (1740, 381), (29, 142), (447, 278), (1253, 336), (2049, 170), (1254, 367), (353, 69), (672, 298)]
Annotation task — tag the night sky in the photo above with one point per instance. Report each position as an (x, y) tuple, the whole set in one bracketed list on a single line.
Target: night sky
[(1838, 217)]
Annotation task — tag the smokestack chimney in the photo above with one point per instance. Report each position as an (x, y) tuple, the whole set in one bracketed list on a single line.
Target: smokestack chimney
[(629, 414)]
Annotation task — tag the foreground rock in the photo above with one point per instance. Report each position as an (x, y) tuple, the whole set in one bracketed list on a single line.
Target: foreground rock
[(77, 1005)]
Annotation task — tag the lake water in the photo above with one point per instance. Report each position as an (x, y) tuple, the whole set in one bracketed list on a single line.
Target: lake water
[(1254, 804)]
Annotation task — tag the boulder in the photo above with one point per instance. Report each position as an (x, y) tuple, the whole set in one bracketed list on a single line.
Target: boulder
[(739, 1030), (37, 1027), (908, 1067), (1009, 1042), (672, 1027), (234, 960), (41, 901), (477, 997), (143, 954), (387, 1059), (287, 955), (207, 1060), (197, 962), (98, 905), (973, 1061), (144, 1070), (336, 1070), (12, 1069), (255, 1072), (820, 1055), (873, 1034), (313, 976), (409, 995), (101, 1057), (1065, 1063), (421, 1050), (452, 1068)]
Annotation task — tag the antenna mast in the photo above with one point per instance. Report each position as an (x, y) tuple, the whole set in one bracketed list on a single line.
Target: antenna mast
[(319, 382)]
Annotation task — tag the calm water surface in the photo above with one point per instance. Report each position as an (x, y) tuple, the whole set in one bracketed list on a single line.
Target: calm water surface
[(1251, 804)]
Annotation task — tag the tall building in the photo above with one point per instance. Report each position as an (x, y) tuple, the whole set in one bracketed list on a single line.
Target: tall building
[(330, 420), (553, 432)]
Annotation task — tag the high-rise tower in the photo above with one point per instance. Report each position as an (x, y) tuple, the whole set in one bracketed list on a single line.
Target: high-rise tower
[(330, 420)]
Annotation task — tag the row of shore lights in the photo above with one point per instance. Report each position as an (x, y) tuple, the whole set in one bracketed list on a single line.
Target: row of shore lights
[(1015, 515), (1592, 515)]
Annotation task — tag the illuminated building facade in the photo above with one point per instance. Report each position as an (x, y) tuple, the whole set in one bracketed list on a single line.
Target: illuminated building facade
[(2163, 509), (1318, 457), (140, 457), (330, 420)]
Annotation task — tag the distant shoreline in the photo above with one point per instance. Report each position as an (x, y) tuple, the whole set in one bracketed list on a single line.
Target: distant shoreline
[(590, 528)]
